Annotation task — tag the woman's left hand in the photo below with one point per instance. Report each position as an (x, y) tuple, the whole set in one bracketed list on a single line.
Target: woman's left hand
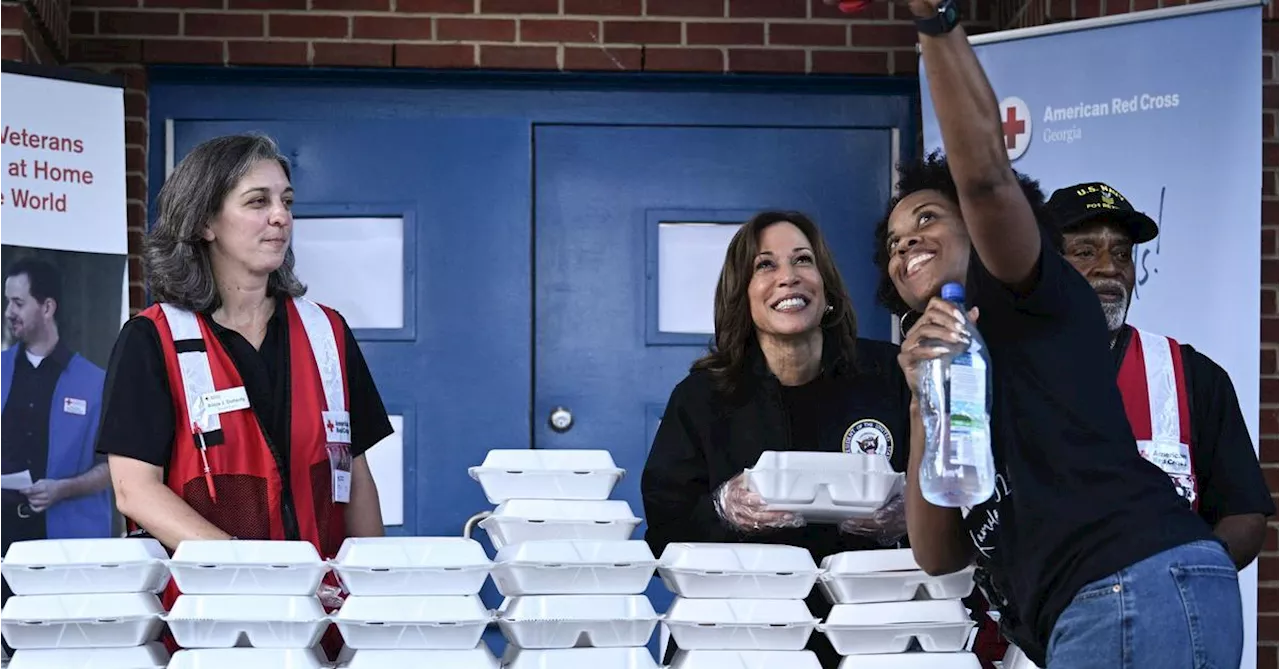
[(887, 525)]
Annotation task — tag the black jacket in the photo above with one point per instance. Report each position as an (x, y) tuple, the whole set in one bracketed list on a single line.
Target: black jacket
[(707, 438)]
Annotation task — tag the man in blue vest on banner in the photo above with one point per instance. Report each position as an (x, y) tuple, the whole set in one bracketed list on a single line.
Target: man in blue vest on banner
[(55, 486)]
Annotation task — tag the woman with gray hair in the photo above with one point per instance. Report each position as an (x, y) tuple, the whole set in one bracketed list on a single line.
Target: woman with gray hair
[(234, 407)]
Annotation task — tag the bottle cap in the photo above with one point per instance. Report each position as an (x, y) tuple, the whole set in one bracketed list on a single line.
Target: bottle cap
[(953, 292)]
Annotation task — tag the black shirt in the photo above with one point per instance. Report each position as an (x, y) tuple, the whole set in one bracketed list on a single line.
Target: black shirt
[(706, 438), (137, 402), (1074, 499), (1227, 472), (25, 423)]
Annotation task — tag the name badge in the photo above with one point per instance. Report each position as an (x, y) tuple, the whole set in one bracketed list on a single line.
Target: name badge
[(337, 427), (1173, 457), (340, 467), (221, 401), (74, 406)]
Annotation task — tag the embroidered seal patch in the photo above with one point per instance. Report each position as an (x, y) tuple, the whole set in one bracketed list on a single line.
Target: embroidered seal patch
[(868, 436)]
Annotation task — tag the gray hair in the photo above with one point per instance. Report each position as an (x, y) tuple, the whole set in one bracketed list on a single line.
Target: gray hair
[(175, 255)]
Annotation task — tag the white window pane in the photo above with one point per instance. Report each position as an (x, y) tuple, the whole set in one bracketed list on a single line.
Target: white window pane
[(355, 265), (386, 462), (689, 259)]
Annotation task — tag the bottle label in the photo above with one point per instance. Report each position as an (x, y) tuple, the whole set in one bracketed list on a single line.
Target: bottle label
[(968, 385)]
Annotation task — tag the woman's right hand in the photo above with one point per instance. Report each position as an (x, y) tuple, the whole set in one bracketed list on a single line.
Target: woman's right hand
[(941, 321), (744, 509)]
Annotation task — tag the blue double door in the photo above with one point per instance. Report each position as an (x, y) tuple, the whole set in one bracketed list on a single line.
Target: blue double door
[(533, 256)]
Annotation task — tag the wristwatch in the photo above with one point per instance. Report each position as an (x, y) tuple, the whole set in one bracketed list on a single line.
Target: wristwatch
[(944, 21)]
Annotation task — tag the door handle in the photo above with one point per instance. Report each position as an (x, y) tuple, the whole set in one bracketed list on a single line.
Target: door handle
[(561, 419)]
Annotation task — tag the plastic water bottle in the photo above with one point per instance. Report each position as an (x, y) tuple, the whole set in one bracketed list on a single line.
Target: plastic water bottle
[(958, 469)]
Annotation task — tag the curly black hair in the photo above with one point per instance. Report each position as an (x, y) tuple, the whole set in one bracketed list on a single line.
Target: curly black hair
[(932, 173)]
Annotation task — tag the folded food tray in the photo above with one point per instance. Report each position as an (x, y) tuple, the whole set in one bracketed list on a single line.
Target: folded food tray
[(568, 567), (740, 624), (260, 621), (247, 658), (86, 566), (570, 621), (520, 520), (745, 659), (860, 629), (374, 566), (579, 658), (713, 570), (850, 578), (449, 622), (216, 567), (103, 620), (574, 474), (149, 656), (913, 661), (479, 657), (824, 487)]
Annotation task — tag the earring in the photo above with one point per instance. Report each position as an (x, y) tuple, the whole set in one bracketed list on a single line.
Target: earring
[(830, 308)]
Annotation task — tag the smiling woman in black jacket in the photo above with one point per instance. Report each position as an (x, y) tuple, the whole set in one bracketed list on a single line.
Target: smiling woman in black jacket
[(787, 373)]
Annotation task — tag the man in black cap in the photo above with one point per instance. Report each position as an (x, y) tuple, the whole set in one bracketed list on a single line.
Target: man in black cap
[(1181, 405)]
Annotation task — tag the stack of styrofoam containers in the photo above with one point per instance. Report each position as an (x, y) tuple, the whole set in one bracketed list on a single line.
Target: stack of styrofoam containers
[(883, 602), (739, 605), (570, 574), (414, 602), (247, 605), (85, 603)]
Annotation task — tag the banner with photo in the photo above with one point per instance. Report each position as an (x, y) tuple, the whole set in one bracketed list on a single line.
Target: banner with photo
[(1163, 106), (63, 253)]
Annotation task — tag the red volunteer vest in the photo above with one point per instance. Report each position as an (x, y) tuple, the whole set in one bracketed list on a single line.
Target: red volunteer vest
[(1154, 387), (250, 499)]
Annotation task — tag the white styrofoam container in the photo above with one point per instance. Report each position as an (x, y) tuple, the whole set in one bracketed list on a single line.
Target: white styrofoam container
[(412, 565), (246, 658), (452, 622), (913, 661), (861, 629), (894, 586), (149, 656), (714, 571), (264, 621), (568, 621), (745, 659), (520, 520), (572, 474), (824, 487), (869, 562), (740, 624), (578, 658), (104, 620), (231, 567), (85, 566), (479, 657), (1014, 658), (570, 567)]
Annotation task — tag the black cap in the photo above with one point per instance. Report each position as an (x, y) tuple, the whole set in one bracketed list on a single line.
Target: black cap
[(1097, 202)]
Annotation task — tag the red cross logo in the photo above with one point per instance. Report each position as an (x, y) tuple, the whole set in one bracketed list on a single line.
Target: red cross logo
[(329, 426), (1015, 123), (1012, 127)]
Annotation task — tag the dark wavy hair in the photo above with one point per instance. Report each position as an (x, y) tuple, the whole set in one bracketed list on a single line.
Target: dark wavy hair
[(735, 336), (932, 173)]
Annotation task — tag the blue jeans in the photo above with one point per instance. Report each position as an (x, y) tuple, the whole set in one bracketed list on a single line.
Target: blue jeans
[(1179, 609)]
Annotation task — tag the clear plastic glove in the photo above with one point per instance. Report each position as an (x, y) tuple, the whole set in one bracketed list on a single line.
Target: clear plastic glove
[(887, 525), (744, 509), (330, 596)]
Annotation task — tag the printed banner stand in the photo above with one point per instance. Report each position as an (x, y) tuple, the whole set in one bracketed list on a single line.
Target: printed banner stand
[(1163, 106), (63, 250)]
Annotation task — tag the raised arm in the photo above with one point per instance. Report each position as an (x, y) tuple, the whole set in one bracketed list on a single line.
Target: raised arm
[(998, 217)]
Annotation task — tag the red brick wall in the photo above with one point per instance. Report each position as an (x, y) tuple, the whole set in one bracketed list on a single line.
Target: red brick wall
[(788, 36), (34, 32)]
